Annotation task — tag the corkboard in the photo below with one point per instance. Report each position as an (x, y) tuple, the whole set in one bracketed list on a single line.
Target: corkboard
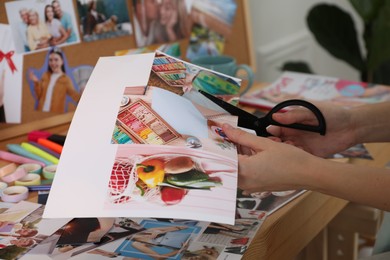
[(237, 44)]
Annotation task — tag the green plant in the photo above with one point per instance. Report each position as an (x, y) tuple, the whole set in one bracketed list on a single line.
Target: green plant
[(335, 31)]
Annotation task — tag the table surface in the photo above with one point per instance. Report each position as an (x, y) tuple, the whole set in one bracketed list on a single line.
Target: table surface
[(282, 235)]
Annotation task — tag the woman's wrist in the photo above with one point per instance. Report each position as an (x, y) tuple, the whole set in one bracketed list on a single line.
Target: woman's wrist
[(369, 123)]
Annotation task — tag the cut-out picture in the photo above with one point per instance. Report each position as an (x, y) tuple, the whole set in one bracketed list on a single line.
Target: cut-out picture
[(55, 86), (181, 77), (160, 240), (103, 19), (160, 21), (11, 67), (85, 230), (38, 25)]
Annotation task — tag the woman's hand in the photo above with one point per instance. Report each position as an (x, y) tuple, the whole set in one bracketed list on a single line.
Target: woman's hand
[(32, 76), (272, 166), (340, 132)]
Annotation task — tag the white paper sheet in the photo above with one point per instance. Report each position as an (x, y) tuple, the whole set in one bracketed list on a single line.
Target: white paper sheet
[(12, 84), (80, 188)]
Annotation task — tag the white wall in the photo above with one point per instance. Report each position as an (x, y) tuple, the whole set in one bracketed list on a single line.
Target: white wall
[(280, 34)]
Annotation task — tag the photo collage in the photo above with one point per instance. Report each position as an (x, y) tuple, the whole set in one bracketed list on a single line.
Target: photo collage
[(164, 155), (62, 26)]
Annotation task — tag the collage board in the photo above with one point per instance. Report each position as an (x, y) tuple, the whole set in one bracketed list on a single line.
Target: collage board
[(41, 37)]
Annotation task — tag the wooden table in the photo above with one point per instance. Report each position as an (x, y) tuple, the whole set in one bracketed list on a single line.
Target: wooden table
[(287, 231), (283, 234)]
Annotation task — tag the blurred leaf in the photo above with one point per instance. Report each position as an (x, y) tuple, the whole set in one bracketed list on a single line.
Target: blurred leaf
[(367, 10), (382, 75), (379, 42), (335, 31)]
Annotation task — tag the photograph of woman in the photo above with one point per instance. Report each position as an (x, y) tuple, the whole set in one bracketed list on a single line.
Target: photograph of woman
[(54, 86), (173, 24), (38, 35), (40, 25), (54, 26)]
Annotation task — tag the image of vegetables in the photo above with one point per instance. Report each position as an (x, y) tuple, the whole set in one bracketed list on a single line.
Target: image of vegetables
[(171, 196), (151, 172)]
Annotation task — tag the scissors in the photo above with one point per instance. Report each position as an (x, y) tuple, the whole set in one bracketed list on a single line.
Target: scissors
[(260, 124)]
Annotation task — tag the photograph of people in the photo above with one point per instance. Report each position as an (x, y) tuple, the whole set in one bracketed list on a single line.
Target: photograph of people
[(22, 27), (38, 35), (56, 30), (54, 86), (39, 25), (160, 240), (102, 19), (66, 20), (160, 21), (173, 23)]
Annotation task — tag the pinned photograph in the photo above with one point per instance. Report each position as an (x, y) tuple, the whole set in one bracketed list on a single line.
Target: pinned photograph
[(212, 24), (103, 19), (11, 67), (39, 24), (161, 21), (57, 87)]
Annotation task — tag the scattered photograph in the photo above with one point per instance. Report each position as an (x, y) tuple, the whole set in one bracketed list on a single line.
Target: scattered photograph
[(25, 232), (235, 239), (158, 240), (356, 151), (40, 24), (259, 204)]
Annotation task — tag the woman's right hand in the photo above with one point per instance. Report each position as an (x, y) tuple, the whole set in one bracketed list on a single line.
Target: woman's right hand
[(340, 132), (32, 76)]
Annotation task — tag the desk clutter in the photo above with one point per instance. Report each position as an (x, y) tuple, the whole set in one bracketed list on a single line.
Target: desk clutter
[(31, 165), (24, 233)]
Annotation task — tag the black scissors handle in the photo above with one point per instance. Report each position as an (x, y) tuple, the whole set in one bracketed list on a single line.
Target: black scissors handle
[(320, 128)]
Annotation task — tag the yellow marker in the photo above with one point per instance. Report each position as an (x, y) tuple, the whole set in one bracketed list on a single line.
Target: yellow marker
[(41, 153)]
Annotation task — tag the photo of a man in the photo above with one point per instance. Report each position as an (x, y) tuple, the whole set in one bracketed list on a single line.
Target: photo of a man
[(39, 25)]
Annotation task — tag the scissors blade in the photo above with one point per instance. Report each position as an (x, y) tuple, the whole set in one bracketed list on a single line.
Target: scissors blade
[(245, 119)]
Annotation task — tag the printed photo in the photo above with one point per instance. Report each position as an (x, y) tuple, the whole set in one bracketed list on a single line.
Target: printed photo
[(258, 204), (157, 180), (77, 237), (357, 151), (57, 87), (234, 238), (163, 21), (158, 240), (11, 70), (212, 24), (181, 77), (103, 19), (202, 251), (152, 119), (18, 237), (40, 24)]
